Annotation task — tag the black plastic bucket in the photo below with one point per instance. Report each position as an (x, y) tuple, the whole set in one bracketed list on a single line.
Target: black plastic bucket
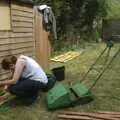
[(59, 73)]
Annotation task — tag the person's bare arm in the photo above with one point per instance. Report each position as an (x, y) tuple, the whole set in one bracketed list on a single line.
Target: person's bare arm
[(17, 73)]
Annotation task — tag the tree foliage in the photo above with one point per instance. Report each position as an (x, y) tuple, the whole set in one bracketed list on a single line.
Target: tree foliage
[(75, 17)]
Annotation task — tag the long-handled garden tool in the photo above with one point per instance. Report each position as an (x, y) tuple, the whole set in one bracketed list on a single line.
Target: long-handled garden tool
[(61, 96)]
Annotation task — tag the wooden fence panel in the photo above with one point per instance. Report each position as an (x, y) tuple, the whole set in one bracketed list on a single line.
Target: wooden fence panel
[(43, 47)]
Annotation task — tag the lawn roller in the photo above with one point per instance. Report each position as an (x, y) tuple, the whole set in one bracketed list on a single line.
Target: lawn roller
[(65, 96)]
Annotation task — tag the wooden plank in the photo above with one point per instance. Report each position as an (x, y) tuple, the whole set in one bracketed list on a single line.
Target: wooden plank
[(4, 33), (16, 51), (42, 45), (21, 45), (16, 46), (20, 40), (14, 40), (22, 7), (4, 41), (85, 113), (72, 117), (4, 53), (4, 37), (21, 17), (22, 24), (22, 30), (21, 13), (92, 115), (21, 35), (4, 47), (21, 51), (22, 20)]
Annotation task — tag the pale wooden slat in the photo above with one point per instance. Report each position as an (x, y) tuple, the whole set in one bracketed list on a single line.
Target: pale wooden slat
[(15, 41), (4, 47), (72, 117), (4, 37), (16, 51), (22, 30), (4, 33), (20, 20), (16, 46), (102, 115), (24, 8), (21, 13), (42, 43), (23, 50), (21, 35), (22, 24), (4, 41), (88, 113), (21, 40), (4, 53), (21, 45)]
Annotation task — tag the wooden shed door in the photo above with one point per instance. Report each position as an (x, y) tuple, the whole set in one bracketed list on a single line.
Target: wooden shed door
[(42, 43)]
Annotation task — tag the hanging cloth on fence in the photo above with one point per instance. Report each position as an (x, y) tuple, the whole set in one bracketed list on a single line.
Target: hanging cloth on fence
[(49, 20)]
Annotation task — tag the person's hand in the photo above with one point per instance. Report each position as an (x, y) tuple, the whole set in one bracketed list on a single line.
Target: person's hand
[(4, 88)]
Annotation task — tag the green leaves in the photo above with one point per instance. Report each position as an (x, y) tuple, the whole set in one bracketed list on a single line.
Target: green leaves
[(75, 18)]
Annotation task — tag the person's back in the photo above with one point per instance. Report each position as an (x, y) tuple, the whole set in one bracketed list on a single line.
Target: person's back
[(33, 71)]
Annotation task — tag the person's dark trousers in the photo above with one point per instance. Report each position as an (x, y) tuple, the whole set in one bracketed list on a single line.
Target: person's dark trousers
[(51, 82), (26, 88)]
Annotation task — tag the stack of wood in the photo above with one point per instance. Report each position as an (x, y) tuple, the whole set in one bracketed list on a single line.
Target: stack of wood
[(70, 115), (66, 56)]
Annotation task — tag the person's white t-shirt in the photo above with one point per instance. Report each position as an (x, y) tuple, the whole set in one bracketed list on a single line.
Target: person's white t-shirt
[(33, 70)]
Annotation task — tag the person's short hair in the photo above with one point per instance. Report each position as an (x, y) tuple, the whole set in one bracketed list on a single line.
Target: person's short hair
[(6, 62)]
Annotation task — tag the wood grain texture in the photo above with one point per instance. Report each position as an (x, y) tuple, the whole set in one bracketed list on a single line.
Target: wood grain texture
[(74, 115)]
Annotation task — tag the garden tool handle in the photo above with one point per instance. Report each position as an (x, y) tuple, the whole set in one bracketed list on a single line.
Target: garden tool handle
[(104, 69)]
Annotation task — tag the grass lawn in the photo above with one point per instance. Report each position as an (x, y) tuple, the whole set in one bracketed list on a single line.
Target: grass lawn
[(106, 91)]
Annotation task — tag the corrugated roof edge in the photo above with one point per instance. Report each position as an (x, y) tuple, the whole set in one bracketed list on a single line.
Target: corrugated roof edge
[(26, 1)]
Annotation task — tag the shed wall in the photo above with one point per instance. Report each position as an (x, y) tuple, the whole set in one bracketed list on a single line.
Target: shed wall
[(20, 39)]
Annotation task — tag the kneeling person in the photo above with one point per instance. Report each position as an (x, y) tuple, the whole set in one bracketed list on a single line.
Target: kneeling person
[(27, 79)]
